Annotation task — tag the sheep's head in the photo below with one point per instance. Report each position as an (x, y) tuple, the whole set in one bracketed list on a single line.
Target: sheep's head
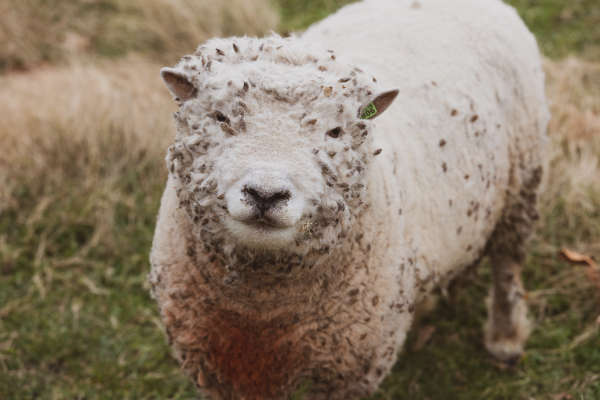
[(272, 145)]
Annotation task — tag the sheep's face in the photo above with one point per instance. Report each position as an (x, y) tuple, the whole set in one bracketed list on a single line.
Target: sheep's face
[(271, 157)]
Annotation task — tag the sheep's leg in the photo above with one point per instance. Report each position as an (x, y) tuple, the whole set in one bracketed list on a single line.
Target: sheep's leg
[(507, 327)]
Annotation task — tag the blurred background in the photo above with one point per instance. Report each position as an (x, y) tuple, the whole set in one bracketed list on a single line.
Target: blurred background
[(84, 124)]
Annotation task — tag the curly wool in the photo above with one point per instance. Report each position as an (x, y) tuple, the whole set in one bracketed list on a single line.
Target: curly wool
[(462, 145), (232, 82)]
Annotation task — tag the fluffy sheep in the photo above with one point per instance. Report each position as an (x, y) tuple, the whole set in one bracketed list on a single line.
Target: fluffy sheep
[(321, 186)]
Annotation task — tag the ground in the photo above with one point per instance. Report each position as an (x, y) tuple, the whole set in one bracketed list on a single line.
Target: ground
[(81, 172)]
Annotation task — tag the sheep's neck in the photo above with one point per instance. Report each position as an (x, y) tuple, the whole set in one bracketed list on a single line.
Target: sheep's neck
[(250, 338), (255, 358), (256, 335), (262, 287)]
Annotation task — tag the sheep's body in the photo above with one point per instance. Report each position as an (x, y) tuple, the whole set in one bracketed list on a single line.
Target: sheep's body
[(472, 57), (462, 156)]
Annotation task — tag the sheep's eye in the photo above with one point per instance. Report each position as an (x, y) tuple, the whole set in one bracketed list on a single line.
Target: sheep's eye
[(219, 116), (335, 132)]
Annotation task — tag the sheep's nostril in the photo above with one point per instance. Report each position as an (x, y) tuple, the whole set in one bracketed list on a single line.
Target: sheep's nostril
[(265, 199)]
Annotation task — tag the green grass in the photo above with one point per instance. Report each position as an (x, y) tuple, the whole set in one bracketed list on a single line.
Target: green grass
[(75, 324), (298, 14), (563, 27)]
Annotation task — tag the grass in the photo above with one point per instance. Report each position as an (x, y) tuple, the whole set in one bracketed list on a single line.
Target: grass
[(81, 174), (38, 32), (35, 32), (298, 14), (563, 27), (79, 208)]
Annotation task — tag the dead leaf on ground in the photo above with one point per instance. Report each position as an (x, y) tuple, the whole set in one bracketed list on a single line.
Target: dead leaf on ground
[(592, 272), (578, 258)]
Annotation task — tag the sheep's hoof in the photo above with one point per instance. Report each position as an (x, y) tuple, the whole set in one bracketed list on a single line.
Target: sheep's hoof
[(506, 330), (508, 352)]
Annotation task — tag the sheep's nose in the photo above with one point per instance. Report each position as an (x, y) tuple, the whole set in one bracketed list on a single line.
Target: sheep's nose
[(265, 200)]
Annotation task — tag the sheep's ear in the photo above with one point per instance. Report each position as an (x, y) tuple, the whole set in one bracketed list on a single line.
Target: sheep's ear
[(178, 83), (378, 105)]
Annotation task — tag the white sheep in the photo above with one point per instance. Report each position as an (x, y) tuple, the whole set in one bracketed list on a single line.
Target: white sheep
[(297, 234)]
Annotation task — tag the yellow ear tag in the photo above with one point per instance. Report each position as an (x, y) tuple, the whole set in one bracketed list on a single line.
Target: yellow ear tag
[(369, 112)]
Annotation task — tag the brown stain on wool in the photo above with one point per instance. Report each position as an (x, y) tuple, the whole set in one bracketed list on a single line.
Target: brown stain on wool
[(255, 359)]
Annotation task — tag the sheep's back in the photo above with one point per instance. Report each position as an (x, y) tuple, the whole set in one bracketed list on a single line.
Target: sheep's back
[(467, 127)]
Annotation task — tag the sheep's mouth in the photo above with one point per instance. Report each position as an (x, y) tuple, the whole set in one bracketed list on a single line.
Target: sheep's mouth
[(265, 223), (261, 233)]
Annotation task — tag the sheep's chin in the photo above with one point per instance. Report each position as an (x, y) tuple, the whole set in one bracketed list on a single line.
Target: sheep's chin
[(261, 237)]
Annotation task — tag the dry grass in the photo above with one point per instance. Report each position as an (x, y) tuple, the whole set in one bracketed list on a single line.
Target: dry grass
[(80, 138), (81, 173), (574, 92), (39, 31), (85, 122), (573, 181)]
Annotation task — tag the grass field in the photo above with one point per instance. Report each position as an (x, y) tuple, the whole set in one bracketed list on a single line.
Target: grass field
[(39, 32), (81, 172)]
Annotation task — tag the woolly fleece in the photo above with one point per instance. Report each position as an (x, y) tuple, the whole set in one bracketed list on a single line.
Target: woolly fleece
[(392, 207)]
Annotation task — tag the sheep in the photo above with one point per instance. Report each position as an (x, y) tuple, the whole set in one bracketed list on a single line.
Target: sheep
[(322, 186)]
